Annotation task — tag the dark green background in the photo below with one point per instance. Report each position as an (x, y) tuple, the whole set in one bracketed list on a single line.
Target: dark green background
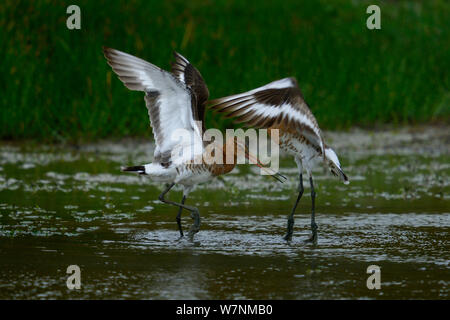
[(55, 84)]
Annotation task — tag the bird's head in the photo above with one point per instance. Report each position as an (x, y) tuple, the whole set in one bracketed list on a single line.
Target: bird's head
[(332, 162)]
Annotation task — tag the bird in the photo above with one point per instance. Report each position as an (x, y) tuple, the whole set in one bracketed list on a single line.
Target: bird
[(175, 102), (280, 105)]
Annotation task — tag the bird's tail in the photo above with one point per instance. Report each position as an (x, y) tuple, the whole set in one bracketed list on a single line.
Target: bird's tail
[(138, 169)]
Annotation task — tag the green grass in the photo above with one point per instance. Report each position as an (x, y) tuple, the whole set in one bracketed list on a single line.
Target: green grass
[(56, 85)]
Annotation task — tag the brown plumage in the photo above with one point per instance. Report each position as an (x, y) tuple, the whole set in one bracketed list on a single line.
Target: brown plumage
[(280, 106), (176, 105), (277, 105)]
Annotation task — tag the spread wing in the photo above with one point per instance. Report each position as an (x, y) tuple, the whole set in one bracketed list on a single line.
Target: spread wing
[(168, 100), (277, 104), (192, 78)]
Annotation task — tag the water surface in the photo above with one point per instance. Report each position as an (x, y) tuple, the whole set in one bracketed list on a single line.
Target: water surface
[(61, 205)]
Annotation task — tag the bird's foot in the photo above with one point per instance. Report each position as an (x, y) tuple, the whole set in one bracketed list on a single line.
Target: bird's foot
[(196, 226), (180, 237), (290, 230), (288, 237), (194, 229), (191, 235), (313, 238)]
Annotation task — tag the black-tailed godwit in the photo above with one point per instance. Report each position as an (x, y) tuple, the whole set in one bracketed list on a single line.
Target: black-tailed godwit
[(176, 100), (280, 105)]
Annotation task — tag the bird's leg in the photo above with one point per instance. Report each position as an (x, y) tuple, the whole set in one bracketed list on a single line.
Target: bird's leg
[(194, 211), (313, 238), (178, 218), (196, 225), (290, 222)]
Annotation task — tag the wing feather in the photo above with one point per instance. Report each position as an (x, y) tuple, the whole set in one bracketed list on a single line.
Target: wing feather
[(277, 103), (168, 100), (191, 77)]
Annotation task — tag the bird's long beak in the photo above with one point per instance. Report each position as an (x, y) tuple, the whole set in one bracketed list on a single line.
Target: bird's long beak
[(254, 160)]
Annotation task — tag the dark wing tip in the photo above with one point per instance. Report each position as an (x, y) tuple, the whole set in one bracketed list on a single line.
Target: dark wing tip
[(211, 103), (179, 65), (108, 53), (215, 103), (294, 81), (178, 57), (107, 50)]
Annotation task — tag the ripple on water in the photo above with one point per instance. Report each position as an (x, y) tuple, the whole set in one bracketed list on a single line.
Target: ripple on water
[(78, 203)]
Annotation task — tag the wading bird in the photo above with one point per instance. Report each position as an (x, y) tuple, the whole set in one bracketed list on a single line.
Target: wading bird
[(280, 105), (176, 101)]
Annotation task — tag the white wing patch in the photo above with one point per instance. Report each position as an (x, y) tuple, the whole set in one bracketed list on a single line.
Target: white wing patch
[(278, 84), (264, 110), (243, 104), (167, 99)]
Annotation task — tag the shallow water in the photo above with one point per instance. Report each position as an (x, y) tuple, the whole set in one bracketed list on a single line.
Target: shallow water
[(61, 206)]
